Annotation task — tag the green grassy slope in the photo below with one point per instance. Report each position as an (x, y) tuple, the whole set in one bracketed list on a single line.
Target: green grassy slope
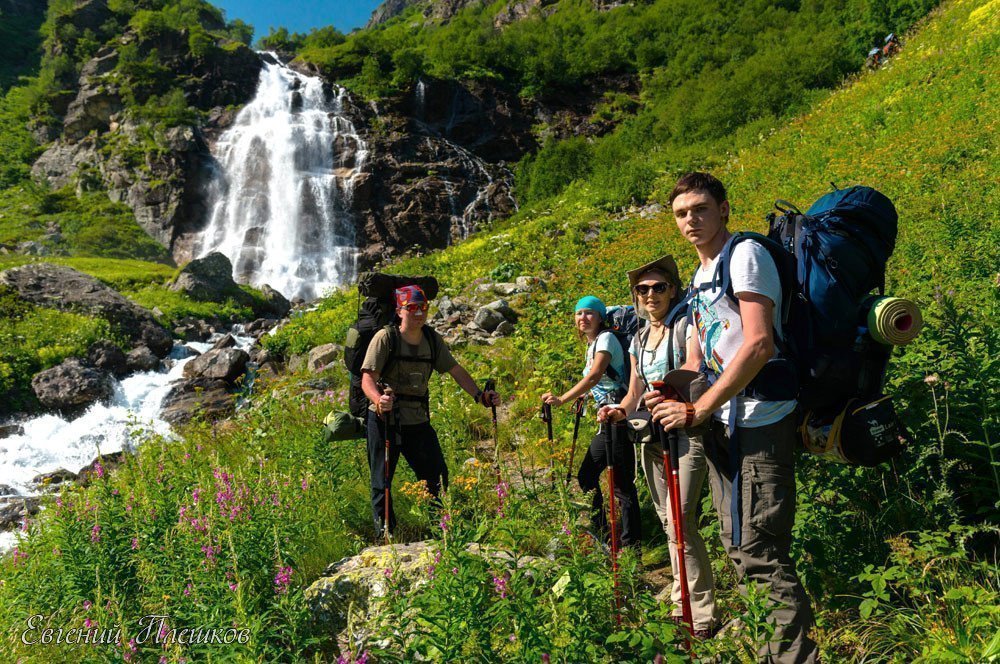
[(898, 560)]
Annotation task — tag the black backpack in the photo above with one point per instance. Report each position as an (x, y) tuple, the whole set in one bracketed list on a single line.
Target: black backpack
[(376, 311)]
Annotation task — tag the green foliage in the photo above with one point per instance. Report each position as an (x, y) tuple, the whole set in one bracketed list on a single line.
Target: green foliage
[(280, 40), (36, 338), (89, 224), (20, 42), (556, 165)]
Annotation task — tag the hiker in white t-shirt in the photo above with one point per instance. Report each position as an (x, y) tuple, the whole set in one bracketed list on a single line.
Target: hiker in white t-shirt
[(751, 427), (604, 377)]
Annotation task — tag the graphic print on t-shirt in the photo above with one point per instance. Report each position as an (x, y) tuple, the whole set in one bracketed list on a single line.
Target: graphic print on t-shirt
[(710, 329)]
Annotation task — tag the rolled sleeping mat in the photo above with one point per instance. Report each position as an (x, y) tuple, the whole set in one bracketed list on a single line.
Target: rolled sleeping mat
[(894, 321)]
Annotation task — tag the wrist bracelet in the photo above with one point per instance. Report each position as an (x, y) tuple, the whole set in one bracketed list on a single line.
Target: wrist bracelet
[(688, 414)]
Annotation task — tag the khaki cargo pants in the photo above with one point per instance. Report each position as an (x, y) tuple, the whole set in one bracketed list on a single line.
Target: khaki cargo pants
[(767, 513)]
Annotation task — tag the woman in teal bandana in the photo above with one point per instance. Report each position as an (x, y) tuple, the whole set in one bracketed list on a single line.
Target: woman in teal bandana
[(603, 377)]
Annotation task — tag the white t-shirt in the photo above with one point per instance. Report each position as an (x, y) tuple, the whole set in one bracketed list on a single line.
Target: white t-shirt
[(720, 329), (604, 391)]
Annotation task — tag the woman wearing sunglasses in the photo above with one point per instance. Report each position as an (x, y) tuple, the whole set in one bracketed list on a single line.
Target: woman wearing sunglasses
[(657, 349), (603, 377), (395, 376)]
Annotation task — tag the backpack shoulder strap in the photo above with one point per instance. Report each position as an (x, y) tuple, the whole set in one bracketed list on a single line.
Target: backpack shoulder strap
[(610, 371), (394, 343), (433, 339)]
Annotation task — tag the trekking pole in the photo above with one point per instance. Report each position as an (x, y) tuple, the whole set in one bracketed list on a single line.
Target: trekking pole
[(547, 418), (671, 467), (614, 522), (388, 436), (491, 386), (578, 410)]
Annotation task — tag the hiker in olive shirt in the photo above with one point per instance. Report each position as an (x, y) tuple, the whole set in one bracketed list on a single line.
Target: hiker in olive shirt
[(395, 373)]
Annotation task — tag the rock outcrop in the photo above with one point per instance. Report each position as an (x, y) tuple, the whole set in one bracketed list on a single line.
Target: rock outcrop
[(72, 386), (210, 279), (225, 364), (208, 398), (66, 289)]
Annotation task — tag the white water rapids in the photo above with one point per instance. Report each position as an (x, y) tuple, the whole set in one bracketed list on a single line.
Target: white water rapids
[(50, 442), (280, 201)]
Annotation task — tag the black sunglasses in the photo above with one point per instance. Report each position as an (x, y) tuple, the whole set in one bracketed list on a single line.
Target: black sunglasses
[(658, 287)]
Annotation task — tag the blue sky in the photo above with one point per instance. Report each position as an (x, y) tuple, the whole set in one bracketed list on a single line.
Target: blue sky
[(299, 15)]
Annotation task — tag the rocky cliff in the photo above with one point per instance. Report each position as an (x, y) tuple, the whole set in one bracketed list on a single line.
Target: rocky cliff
[(440, 154)]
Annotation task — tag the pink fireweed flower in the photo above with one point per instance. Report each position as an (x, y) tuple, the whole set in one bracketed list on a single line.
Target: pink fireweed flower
[(187, 589), (135, 543), (233, 586), (305, 484), (98, 469), (196, 496), (88, 623), (87, 604), (95, 533), (445, 522), (282, 580), (500, 584)]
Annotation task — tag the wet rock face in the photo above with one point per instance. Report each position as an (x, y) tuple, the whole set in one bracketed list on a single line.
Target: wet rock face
[(225, 364), (210, 279), (108, 357), (66, 289), (72, 386), (208, 398)]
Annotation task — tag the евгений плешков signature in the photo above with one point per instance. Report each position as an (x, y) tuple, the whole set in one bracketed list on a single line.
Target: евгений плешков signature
[(148, 629)]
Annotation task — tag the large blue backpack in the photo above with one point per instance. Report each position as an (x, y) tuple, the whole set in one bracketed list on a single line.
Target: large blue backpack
[(829, 260)]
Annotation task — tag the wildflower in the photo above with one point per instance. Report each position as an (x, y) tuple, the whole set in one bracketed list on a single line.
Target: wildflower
[(454, 570), (445, 521), (95, 533), (135, 543), (98, 469), (500, 584), (932, 379), (566, 530), (87, 604), (305, 484), (88, 623), (187, 589), (282, 580), (233, 586), (512, 638), (196, 495), (503, 490), (545, 658)]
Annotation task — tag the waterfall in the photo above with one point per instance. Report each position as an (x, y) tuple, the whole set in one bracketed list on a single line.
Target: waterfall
[(286, 171)]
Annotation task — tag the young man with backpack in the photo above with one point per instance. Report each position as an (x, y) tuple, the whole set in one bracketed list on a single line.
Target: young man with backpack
[(749, 408), (396, 370)]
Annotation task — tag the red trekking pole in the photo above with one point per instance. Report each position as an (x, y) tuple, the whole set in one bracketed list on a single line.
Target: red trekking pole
[(614, 522), (671, 467)]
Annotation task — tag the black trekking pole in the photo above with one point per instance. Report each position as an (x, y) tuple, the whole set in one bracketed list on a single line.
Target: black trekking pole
[(491, 386), (578, 410), (388, 437), (547, 418)]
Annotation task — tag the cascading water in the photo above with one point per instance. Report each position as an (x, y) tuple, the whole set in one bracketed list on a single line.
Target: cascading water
[(280, 203)]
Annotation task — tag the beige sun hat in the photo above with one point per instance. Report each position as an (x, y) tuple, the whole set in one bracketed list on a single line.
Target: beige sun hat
[(665, 265)]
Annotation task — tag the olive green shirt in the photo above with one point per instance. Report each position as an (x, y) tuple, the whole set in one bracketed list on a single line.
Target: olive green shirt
[(407, 377)]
